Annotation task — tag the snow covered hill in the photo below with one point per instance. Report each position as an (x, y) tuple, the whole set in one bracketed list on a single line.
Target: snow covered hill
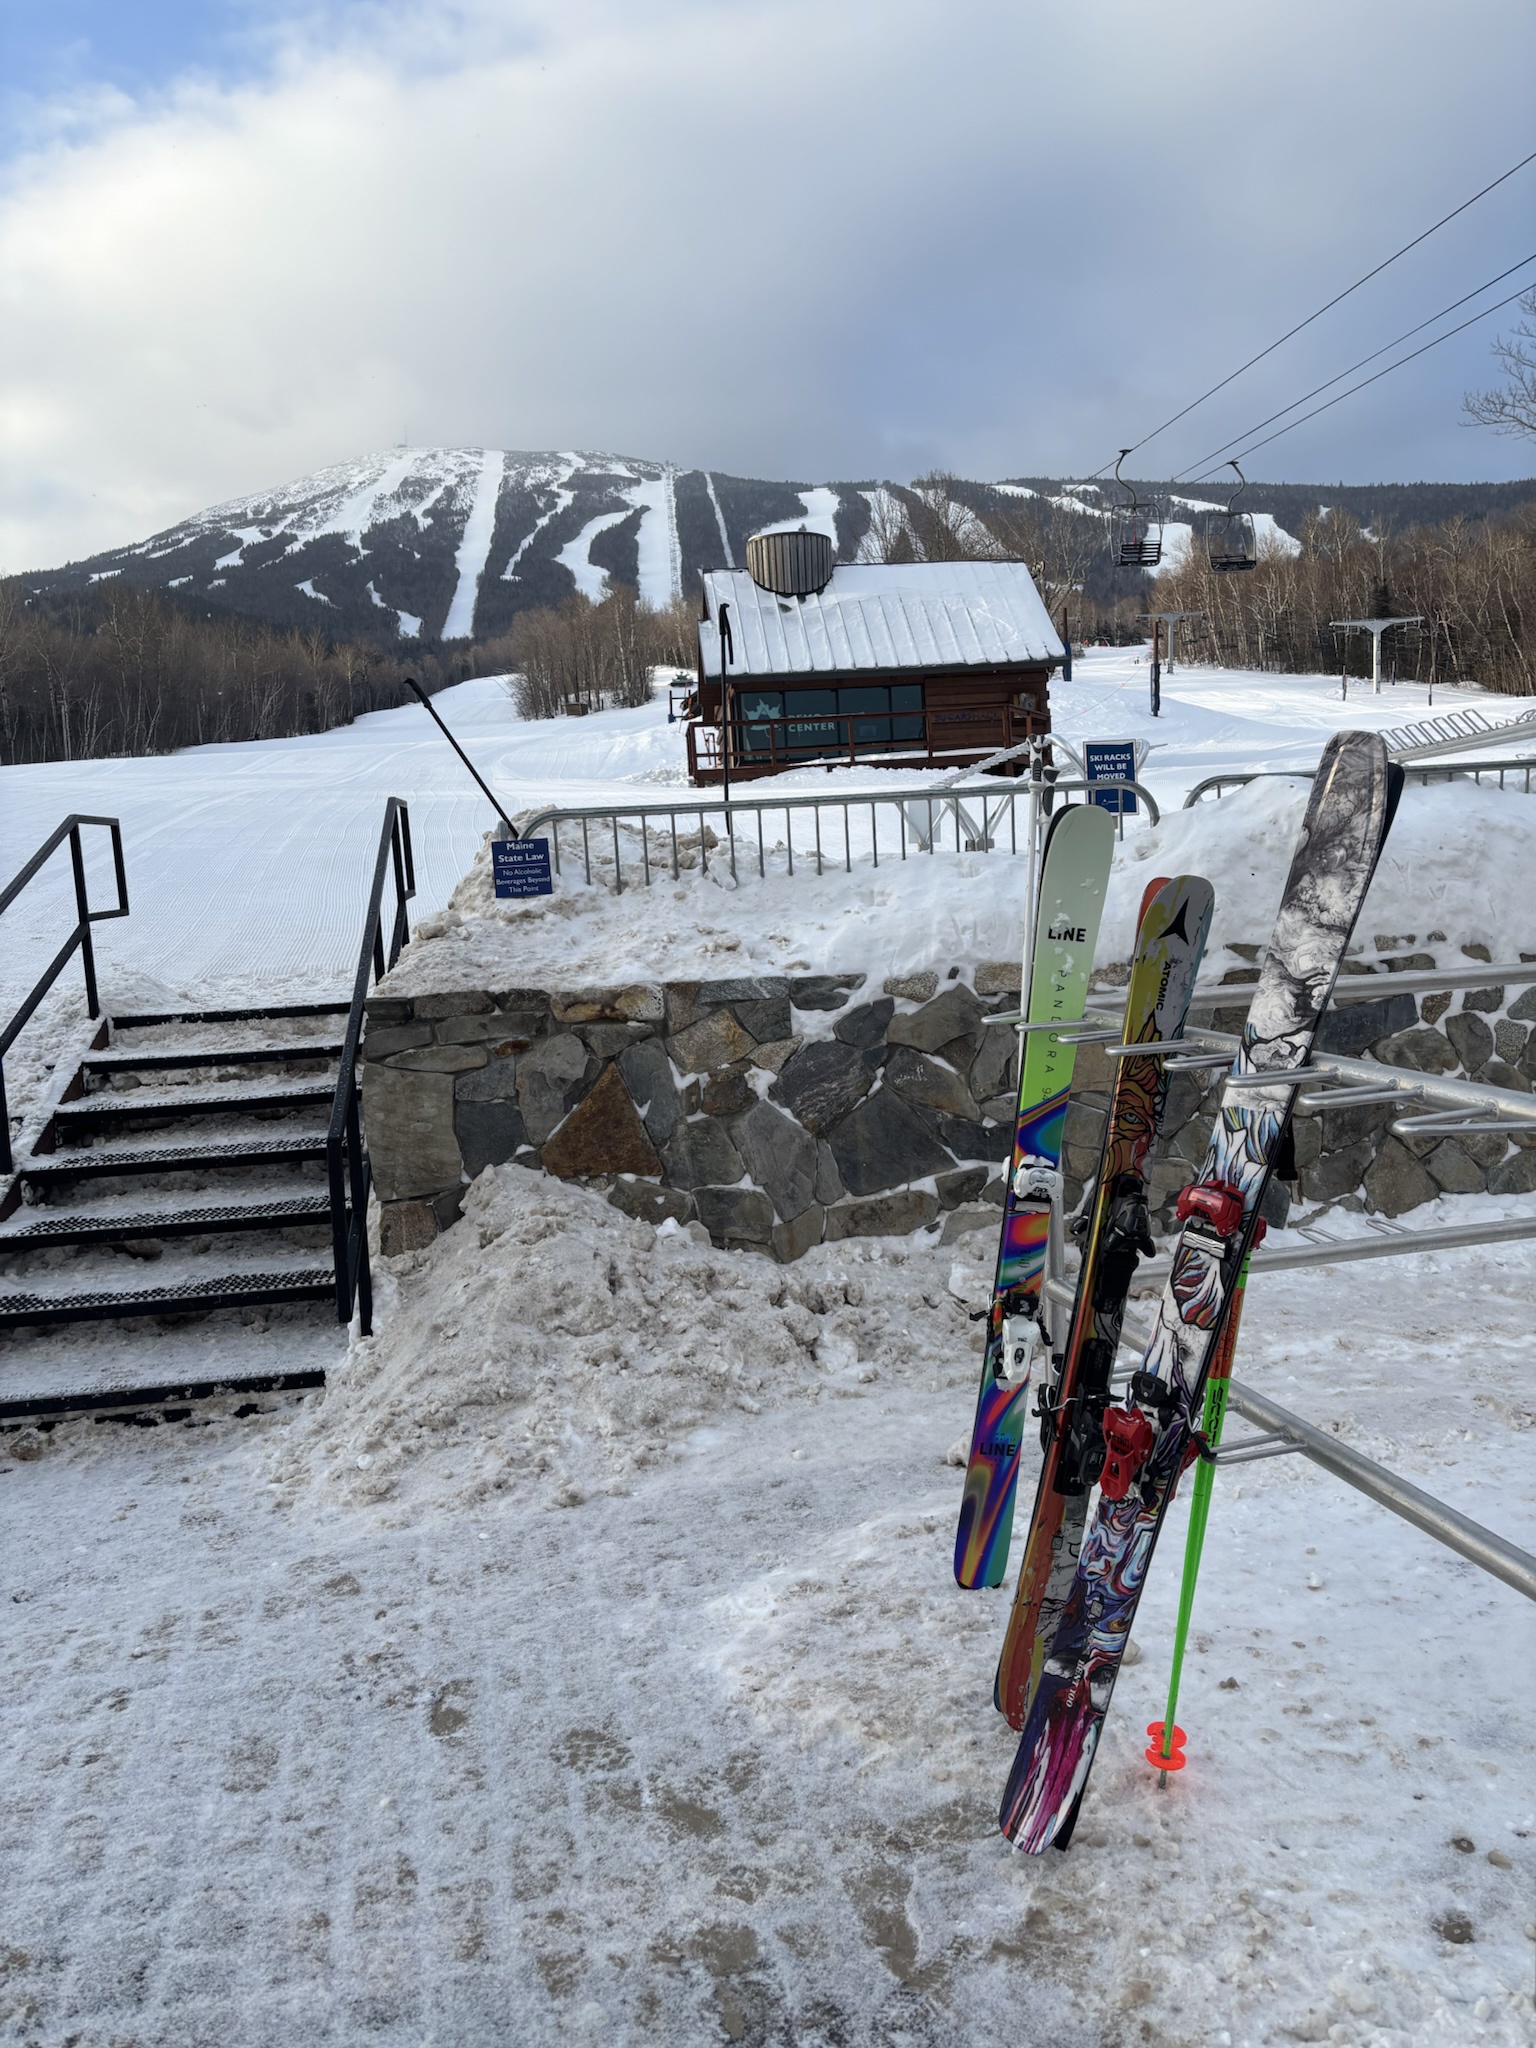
[(450, 543)]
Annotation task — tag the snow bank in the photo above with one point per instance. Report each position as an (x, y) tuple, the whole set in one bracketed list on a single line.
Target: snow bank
[(548, 1347)]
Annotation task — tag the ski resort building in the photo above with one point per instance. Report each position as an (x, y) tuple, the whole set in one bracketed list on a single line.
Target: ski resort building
[(886, 664)]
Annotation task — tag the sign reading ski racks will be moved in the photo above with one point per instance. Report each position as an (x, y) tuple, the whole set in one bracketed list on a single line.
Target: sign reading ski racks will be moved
[(1112, 761), (520, 867)]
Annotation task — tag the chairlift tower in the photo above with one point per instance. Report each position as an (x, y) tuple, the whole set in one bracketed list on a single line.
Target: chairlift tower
[(1375, 627), (1170, 620)]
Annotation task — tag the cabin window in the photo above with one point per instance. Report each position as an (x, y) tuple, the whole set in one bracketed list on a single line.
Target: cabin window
[(786, 723)]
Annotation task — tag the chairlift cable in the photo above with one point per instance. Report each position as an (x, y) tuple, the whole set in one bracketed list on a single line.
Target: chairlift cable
[(1448, 335), (1386, 345), (1328, 308)]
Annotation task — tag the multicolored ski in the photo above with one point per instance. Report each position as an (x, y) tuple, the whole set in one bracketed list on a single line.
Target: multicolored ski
[(1170, 940), (1150, 1441), (1074, 875)]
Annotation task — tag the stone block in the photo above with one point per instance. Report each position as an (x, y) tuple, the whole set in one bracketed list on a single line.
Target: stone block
[(781, 1157), (892, 1215), (534, 1001), (996, 1189), (954, 1014), (744, 988), (767, 1020), (1001, 1108), (1472, 1039), (776, 1054), (602, 1134), (1453, 1170), (829, 1182), (640, 1002), (1421, 1048), (822, 1083), (959, 1053), (1483, 999), (735, 1216), (1166, 1177), (648, 1076), (391, 1038), (1081, 1161), (912, 988), (999, 977), (1276, 1205), (1343, 1127), (648, 1202), (970, 1140), (1496, 1074), (488, 1133), (928, 1085), (439, 1059), (882, 1144), (1351, 1028), (463, 1002), (994, 1069), (728, 1093), (408, 1122), (699, 1154), (492, 1025), (713, 1042), (405, 1227), (1084, 1124), (1396, 1181), (607, 1041), (1434, 1007), (865, 1026), (1307, 1136), (1476, 950), (1514, 1176), (1190, 1143), (1337, 1173), (549, 1079), (793, 1240), (1406, 963), (388, 1010), (1509, 1041), (961, 1222), (1093, 1072), (1523, 1008), (496, 1081), (963, 1185), (823, 991), (681, 1002)]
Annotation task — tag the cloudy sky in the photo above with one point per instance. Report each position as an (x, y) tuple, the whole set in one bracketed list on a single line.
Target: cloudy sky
[(799, 238)]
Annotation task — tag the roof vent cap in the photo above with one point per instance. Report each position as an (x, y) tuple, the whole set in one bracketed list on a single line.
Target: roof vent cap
[(791, 564)]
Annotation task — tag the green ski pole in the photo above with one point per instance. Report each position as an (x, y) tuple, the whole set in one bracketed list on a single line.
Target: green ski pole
[(1166, 1750)]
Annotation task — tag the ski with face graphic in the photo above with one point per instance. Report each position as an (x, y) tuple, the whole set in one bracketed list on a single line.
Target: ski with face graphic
[(1149, 1441), (1074, 875), (1074, 1394)]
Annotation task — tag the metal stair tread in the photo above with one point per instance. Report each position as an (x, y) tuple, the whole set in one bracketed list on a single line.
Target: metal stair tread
[(292, 1283), (62, 1227), (97, 1159), (109, 1106), (150, 1058)]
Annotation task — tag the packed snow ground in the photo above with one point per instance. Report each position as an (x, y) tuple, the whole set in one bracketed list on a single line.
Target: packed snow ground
[(586, 1665)]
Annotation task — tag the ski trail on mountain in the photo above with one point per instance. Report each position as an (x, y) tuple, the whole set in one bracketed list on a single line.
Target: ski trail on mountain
[(475, 546)]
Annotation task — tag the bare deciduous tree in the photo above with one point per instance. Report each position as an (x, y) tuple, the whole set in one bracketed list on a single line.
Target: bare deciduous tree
[(1510, 408)]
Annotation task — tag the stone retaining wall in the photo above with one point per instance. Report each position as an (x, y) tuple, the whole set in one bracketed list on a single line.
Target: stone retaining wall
[(772, 1112)]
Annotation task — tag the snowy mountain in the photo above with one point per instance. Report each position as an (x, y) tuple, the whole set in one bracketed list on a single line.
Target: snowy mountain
[(450, 543)]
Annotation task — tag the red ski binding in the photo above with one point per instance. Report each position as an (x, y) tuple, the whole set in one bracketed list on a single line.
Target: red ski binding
[(1216, 1202), (1175, 1760), (1128, 1436)]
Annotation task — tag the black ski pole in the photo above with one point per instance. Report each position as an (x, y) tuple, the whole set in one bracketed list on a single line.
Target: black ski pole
[(495, 801)]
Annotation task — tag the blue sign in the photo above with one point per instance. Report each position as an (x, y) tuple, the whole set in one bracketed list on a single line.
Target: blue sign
[(1112, 761), (520, 867)]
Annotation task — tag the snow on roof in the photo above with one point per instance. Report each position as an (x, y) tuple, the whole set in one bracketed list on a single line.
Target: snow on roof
[(878, 616)]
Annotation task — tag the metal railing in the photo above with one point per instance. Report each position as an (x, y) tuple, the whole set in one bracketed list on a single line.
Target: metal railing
[(85, 917), (347, 1164), (923, 821), (1416, 771)]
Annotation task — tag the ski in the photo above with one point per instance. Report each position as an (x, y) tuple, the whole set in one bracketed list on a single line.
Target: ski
[(1170, 940), (1074, 875), (1150, 1440)]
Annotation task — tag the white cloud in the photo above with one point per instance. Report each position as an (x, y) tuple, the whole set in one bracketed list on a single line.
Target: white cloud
[(773, 236)]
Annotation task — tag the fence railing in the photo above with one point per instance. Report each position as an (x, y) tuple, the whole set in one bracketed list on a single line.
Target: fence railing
[(80, 937), (917, 822), (1416, 771), (347, 1164)]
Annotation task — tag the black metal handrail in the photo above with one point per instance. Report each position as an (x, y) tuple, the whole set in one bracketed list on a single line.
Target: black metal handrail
[(85, 917), (346, 1156)]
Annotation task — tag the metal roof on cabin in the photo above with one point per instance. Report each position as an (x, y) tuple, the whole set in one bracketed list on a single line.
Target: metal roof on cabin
[(882, 616)]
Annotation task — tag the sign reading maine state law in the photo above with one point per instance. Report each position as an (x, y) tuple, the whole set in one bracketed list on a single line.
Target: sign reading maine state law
[(1112, 761), (520, 867)]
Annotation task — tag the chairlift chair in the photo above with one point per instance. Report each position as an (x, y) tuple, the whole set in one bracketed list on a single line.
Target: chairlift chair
[(1137, 534), (1230, 542)]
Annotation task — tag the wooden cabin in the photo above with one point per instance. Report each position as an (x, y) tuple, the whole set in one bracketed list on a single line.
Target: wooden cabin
[(896, 665)]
